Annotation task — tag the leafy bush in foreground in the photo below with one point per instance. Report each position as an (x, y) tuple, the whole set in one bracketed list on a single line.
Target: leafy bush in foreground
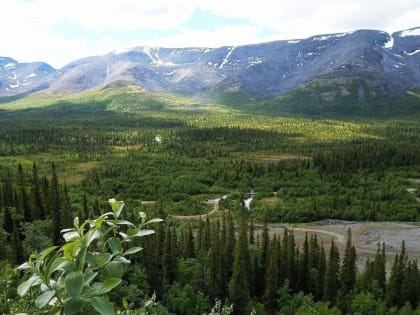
[(76, 277)]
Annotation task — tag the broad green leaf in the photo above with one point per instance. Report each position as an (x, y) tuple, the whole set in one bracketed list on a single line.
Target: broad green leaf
[(107, 285), (132, 232), (119, 209), (115, 269), (24, 266), (155, 220), (89, 276), (102, 259), (90, 259), (123, 222), (142, 216), (105, 215), (92, 235), (144, 233), (70, 236), (123, 235), (115, 245), (98, 222), (125, 303), (67, 230), (102, 305), (44, 298), (113, 203), (47, 251), (123, 260), (70, 249), (74, 283), (132, 250), (81, 258), (76, 222), (73, 306), (25, 286), (54, 265)]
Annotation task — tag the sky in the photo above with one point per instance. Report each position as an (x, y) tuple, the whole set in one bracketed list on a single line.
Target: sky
[(60, 31)]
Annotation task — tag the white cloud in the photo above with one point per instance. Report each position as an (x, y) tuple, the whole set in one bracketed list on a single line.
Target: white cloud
[(302, 18), (223, 36), (28, 29)]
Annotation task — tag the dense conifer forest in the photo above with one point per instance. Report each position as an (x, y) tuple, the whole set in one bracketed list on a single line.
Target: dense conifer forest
[(65, 160)]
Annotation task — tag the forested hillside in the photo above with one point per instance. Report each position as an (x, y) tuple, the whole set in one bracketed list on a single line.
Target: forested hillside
[(62, 157)]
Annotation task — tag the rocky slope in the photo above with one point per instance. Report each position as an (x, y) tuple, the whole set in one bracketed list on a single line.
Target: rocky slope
[(389, 63)]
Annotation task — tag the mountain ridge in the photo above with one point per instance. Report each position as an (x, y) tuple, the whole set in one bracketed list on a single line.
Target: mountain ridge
[(387, 65)]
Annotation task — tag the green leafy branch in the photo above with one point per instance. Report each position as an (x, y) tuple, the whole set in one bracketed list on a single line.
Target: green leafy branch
[(75, 278)]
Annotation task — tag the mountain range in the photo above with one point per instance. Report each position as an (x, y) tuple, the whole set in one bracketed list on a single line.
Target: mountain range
[(363, 65)]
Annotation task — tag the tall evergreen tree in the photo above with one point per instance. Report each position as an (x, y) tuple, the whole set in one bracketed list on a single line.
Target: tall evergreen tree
[(55, 205), (271, 279), (304, 271), (23, 196), (251, 233), (85, 208), (332, 282), (410, 288), (320, 275), (393, 291), (168, 260), (38, 208), (238, 285), (16, 244), (214, 275), (379, 267), (66, 217), (188, 250), (265, 243), (200, 236), (348, 270)]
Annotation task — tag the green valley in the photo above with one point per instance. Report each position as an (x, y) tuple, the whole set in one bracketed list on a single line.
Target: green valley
[(64, 155)]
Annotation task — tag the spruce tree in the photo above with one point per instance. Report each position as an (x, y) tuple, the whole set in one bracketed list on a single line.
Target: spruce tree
[(188, 250), (321, 269), (251, 233), (168, 260), (238, 285), (200, 235), (265, 245), (393, 291), (23, 196), (16, 244), (214, 264), (304, 273), (410, 287), (332, 282), (348, 270), (271, 279), (55, 205), (66, 217), (38, 209), (85, 208), (379, 267)]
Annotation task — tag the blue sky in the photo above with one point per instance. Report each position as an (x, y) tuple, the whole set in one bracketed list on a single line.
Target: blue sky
[(59, 31)]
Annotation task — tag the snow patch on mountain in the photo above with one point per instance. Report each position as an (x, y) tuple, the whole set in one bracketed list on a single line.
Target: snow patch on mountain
[(153, 54), (412, 32), (226, 59), (326, 37), (390, 43), (121, 51), (412, 52), (9, 65)]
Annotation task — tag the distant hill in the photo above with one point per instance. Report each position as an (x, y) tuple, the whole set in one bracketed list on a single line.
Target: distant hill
[(323, 72)]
